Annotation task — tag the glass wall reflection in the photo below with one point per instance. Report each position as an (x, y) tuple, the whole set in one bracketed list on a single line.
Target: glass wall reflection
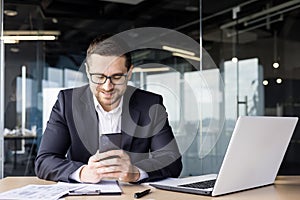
[(202, 105)]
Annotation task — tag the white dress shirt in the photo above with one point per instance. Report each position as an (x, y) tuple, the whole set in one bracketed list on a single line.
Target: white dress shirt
[(109, 122)]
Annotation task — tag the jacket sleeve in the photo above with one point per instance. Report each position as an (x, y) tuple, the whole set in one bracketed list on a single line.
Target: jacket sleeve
[(51, 162), (164, 157)]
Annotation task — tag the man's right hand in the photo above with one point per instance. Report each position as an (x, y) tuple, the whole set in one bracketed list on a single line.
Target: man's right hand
[(88, 173)]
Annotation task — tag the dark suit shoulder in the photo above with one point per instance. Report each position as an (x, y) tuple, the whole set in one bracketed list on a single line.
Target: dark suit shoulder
[(143, 99), (144, 93)]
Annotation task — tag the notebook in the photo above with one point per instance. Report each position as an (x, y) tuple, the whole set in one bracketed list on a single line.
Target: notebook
[(253, 157)]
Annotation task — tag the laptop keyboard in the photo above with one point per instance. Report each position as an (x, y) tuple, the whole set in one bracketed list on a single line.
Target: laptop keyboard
[(201, 185)]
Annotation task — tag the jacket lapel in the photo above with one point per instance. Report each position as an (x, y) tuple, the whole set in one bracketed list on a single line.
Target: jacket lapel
[(85, 118), (130, 117)]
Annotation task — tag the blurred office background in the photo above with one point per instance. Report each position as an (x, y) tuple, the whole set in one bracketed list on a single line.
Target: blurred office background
[(250, 66)]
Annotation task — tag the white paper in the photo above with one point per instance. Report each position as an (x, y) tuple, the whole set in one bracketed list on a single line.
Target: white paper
[(55, 191), (105, 186), (50, 192)]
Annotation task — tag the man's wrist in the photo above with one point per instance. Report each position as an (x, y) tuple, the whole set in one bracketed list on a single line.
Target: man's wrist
[(137, 174), (80, 173), (141, 175), (76, 175)]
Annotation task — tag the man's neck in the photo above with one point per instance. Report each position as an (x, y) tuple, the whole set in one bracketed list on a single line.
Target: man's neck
[(108, 108)]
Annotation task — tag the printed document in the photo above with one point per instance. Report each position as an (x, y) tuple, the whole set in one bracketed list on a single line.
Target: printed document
[(56, 191)]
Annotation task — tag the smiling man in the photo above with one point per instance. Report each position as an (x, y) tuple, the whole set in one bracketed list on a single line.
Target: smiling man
[(108, 129)]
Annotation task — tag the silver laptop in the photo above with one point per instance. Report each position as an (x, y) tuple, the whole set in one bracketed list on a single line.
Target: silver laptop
[(252, 159)]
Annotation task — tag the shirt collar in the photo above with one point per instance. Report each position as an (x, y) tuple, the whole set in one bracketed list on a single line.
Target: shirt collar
[(100, 108)]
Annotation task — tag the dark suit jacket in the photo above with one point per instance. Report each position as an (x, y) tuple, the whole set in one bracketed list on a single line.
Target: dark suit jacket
[(72, 130)]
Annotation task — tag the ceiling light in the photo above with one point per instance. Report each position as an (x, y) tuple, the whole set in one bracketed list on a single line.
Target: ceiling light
[(8, 41), (191, 8), (14, 36), (132, 2), (31, 32), (234, 59), (186, 56), (265, 82), (173, 49), (10, 13), (14, 49), (140, 55), (54, 20), (10, 10), (28, 37), (156, 69), (275, 65), (278, 80)]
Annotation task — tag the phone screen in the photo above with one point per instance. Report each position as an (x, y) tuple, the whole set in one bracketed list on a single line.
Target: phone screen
[(109, 142)]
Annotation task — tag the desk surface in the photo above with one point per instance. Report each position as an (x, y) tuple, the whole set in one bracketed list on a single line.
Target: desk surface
[(285, 187)]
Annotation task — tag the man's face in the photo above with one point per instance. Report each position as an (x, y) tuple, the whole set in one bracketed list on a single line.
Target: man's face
[(107, 94)]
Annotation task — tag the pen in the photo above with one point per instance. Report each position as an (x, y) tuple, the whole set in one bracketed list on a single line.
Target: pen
[(84, 192), (141, 194)]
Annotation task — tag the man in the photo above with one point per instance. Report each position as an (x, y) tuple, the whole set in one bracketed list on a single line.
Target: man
[(142, 145)]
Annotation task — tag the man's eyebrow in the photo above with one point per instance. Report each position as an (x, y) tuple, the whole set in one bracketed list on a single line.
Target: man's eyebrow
[(119, 73), (96, 73)]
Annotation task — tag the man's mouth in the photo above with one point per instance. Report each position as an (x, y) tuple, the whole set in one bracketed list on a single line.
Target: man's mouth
[(107, 94)]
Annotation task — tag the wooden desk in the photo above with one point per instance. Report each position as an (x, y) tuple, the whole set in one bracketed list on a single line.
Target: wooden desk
[(286, 187)]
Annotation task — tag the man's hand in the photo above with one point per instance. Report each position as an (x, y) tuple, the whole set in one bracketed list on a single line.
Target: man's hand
[(114, 164)]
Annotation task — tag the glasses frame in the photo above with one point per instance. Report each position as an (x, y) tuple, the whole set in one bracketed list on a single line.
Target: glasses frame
[(108, 77)]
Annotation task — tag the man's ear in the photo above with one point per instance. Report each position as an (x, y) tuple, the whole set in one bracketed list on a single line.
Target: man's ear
[(87, 70), (130, 72)]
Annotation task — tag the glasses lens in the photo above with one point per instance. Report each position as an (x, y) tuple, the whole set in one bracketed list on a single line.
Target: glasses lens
[(98, 78), (118, 79)]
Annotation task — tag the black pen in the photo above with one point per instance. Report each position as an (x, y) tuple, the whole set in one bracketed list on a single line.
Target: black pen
[(141, 194)]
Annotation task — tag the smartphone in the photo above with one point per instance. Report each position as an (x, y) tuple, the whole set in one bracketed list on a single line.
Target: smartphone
[(109, 142)]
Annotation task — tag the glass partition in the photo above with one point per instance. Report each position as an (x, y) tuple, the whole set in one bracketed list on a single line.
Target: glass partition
[(255, 45), (31, 85), (203, 88), (194, 100), (1, 91)]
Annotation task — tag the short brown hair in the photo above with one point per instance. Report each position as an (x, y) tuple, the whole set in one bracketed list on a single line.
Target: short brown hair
[(106, 45)]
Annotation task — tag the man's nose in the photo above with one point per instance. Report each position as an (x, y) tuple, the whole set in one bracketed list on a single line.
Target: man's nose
[(108, 84)]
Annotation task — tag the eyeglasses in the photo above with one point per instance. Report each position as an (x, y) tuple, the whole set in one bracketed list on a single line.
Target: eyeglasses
[(116, 79)]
